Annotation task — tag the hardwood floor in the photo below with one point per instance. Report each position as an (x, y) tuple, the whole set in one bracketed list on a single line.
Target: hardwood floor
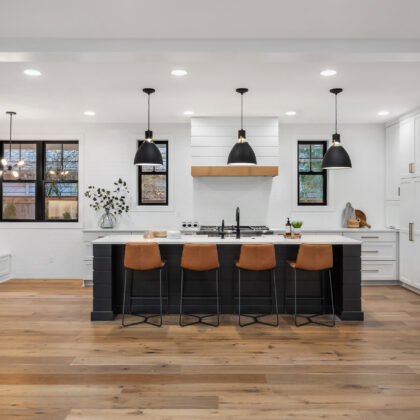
[(56, 364)]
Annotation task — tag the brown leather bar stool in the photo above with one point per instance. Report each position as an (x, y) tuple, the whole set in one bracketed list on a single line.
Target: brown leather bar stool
[(199, 257), (143, 257), (312, 257), (259, 257)]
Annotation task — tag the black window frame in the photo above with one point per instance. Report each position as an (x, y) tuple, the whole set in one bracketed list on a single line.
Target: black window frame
[(323, 173), (39, 182), (140, 174)]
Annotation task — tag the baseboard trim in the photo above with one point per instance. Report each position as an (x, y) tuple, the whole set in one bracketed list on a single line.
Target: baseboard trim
[(411, 288), (381, 283)]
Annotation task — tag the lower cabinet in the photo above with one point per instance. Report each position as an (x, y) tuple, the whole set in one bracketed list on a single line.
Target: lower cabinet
[(379, 255)]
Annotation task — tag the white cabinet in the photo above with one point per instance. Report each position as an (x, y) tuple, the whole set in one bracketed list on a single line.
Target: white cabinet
[(406, 149), (379, 255), (410, 232), (392, 167), (417, 145)]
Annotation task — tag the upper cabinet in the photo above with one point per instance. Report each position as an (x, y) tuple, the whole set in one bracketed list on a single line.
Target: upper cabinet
[(407, 147), (392, 144)]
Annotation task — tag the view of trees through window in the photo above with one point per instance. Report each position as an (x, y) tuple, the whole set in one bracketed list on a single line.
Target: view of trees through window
[(46, 188), (312, 179), (153, 180)]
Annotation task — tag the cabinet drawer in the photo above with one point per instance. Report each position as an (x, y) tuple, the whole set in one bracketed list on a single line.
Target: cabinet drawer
[(379, 270), (379, 251), (373, 236)]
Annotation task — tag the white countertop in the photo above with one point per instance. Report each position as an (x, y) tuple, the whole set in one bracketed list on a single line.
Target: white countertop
[(203, 239)]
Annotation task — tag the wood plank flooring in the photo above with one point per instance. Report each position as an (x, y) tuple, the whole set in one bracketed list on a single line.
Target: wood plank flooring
[(56, 364)]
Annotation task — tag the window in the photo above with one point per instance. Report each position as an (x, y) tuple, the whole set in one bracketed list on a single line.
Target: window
[(153, 180), (312, 179), (46, 188)]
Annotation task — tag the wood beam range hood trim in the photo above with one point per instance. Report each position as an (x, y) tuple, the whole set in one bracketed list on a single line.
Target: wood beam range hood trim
[(202, 171)]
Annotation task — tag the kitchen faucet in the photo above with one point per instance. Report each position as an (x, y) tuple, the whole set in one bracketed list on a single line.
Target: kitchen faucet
[(238, 230), (222, 234)]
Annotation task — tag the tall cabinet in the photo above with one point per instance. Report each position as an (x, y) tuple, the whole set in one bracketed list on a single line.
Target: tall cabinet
[(410, 232), (402, 198)]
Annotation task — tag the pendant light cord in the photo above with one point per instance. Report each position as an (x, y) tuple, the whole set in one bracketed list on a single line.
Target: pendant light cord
[(10, 138), (148, 111), (242, 111), (336, 113)]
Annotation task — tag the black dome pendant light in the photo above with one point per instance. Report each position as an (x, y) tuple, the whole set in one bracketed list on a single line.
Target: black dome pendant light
[(336, 156), (8, 166), (242, 153), (148, 153)]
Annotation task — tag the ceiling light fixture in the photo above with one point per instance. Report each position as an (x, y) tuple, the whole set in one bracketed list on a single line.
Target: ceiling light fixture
[(179, 72), (148, 154), (32, 72), (90, 113), (188, 112), (328, 72), (383, 113), (242, 153), (290, 113), (336, 156), (8, 166)]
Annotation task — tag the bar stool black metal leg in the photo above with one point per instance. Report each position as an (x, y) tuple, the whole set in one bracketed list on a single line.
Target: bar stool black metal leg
[(332, 299), (125, 290), (217, 296), (181, 297), (275, 297)]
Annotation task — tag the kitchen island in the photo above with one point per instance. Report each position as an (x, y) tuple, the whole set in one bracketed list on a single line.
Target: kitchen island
[(108, 276)]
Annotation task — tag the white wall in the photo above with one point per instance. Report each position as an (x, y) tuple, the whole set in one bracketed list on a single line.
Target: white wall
[(107, 152), (271, 200)]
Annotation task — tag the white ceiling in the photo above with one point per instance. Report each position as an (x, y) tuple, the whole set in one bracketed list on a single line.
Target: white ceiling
[(98, 55)]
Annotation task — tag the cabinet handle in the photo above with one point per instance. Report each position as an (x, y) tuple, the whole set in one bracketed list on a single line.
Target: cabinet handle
[(411, 168), (371, 252), (370, 271), (410, 232), (370, 237), (399, 191)]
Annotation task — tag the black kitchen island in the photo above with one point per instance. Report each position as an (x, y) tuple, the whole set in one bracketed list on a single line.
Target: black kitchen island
[(108, 277)]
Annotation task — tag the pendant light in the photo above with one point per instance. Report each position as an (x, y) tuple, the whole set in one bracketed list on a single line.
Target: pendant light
[(148, 153), (8, 166), (336, 156), (242, 153)]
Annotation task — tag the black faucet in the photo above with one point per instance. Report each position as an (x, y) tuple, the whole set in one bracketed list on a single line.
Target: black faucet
[(222, 234), (238, 230)]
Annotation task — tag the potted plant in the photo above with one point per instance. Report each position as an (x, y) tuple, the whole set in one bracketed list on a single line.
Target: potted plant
[(297, 227), (112, 203)]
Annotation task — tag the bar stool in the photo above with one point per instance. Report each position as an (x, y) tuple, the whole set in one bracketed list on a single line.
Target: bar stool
[(143, 257), (313, 257), (199, 257), (261, 257)]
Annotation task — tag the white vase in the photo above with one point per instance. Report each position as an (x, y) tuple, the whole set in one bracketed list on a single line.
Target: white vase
[(297, 231)]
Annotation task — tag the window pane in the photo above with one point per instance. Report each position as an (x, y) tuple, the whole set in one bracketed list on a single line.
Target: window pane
[(311, 189), (304, 165), (61, 201), (304, 151), (26, 152), (18, 200), (62, 161), (153, 189), (316, 165), (159, 168), (317, 151)]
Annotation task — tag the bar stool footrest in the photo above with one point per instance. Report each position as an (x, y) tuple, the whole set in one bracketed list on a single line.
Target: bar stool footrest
[(200, 320), (145, 320), (256, 320), (310, 320)]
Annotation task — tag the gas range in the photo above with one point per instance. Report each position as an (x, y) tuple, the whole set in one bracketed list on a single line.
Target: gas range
[(230, 230)]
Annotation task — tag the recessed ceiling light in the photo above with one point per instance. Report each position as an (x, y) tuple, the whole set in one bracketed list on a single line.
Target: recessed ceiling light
[(179, 72), (328, 72), (188, 112), (32, 72), (290, 113), (90, 113), (383, 113)]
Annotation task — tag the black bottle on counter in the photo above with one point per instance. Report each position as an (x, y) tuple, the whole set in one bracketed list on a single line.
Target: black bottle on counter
[(288, 228)]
